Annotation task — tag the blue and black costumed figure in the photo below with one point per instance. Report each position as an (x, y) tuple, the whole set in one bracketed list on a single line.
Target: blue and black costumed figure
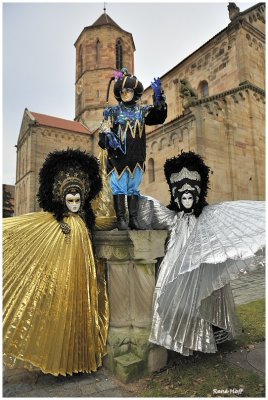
[(122, 133)]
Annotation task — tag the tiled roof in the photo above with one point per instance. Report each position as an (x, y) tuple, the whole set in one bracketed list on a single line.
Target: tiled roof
[(104, 19), (55, 122)]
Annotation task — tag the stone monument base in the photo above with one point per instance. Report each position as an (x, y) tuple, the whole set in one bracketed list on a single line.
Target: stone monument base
[(130, 355), (131, 257)]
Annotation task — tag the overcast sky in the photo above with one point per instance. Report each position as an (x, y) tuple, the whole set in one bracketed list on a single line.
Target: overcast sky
[(39, 53)]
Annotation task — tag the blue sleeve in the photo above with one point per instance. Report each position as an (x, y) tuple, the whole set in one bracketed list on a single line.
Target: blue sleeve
[(108, 112)]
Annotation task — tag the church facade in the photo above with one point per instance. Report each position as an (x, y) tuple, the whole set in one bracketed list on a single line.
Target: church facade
[(216, 107), (39, 135)]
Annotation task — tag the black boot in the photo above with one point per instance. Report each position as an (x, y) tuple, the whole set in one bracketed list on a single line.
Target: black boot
[(120, 209), (133, 206)]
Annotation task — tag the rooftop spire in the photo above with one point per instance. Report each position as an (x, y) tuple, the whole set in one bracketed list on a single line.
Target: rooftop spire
[(104, 7), (104, 19)]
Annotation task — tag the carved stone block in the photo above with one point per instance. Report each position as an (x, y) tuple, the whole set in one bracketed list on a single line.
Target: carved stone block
[(131, 258)]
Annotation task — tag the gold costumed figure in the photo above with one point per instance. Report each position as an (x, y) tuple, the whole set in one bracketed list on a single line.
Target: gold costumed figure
[(55, 302), (102, 205)]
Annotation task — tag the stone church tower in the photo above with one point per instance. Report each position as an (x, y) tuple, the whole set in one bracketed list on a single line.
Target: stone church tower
[(101, 48)]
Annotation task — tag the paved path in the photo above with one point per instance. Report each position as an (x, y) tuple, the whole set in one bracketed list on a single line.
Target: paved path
[(252, 359), (22, 383), (249, 287)]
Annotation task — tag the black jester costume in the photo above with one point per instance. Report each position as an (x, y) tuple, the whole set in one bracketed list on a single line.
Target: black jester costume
[(122, 133)]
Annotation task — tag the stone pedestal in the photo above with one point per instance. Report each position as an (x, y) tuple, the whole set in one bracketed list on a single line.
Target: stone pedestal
[(131, 257)]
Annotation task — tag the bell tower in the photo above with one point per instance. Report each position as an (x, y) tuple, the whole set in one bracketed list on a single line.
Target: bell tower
[(101, 49)]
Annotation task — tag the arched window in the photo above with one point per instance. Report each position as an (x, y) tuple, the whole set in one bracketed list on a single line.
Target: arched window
[(80, 61), (203, 89), (97, 51), (151, 173), (119, 54)]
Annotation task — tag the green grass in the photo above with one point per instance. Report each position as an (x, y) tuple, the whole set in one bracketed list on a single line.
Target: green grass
[(198, 375), (252, 318)]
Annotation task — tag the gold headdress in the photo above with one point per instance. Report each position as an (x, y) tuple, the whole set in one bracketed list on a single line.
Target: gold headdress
[(64, 172), (72, 179)]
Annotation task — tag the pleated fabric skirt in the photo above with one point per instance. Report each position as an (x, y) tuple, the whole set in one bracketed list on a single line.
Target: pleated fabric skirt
[(55, 306), (193, 294)]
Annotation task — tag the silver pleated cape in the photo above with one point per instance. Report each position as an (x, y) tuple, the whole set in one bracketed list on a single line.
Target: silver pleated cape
[(203, 255)]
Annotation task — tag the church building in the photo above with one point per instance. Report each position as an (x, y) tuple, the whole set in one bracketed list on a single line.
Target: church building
[(216, 107)]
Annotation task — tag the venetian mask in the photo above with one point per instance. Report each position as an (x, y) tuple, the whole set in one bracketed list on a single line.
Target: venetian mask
[(73, 202), (187, 200), (127, 95)]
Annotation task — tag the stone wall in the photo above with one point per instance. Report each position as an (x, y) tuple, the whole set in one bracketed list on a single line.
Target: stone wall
[(228, 131), (23, 193)]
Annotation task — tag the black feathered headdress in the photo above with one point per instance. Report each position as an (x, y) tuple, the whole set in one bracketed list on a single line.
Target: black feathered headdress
[(65, 170), (188, 171)]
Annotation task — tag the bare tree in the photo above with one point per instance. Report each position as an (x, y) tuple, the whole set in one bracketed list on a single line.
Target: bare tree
[(8, 209)]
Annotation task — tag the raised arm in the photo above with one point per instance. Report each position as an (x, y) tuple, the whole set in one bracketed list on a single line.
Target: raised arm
[(157, 113)]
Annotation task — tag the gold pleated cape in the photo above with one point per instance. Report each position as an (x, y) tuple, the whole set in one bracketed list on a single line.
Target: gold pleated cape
[(54, 302)]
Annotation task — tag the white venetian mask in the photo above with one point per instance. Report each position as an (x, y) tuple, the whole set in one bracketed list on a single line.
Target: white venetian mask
[(187, 200), (73, 202)]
